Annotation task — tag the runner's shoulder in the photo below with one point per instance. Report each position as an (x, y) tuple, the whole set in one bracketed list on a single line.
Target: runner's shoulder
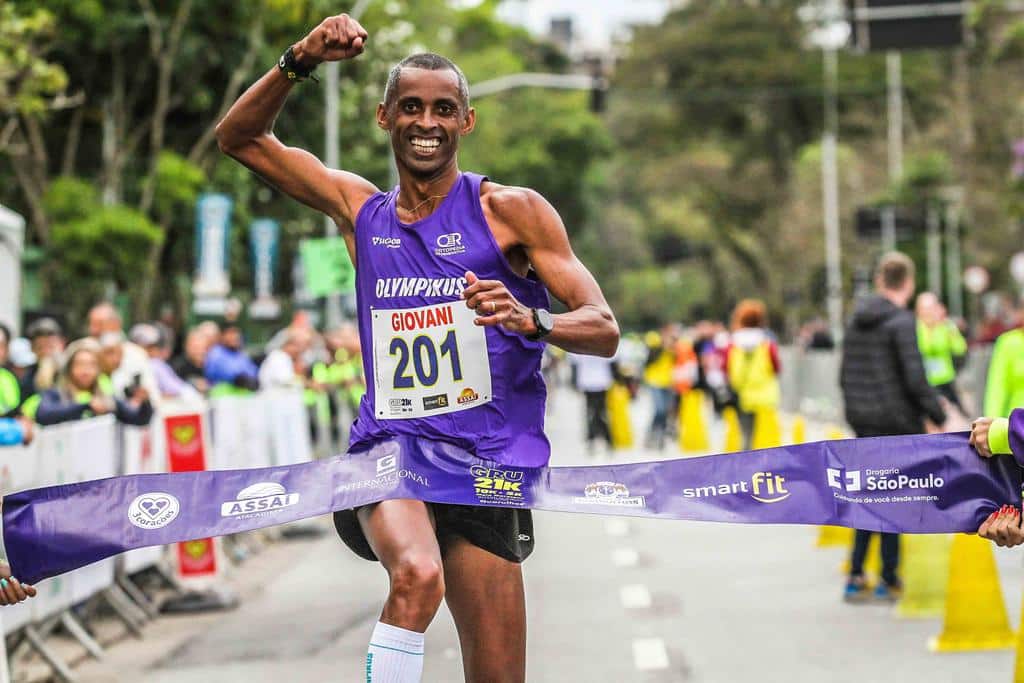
[(516, 207)]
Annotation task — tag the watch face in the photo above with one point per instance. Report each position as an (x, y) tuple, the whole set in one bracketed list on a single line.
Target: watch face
[(280, 62), (544, 320)]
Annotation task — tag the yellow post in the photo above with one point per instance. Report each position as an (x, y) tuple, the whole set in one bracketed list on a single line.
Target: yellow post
[(975, 615), (925, 563), (767, 432), (618, 417), (1018, 667), (831, 536), (799, 430), (733, 437), (693, 432)]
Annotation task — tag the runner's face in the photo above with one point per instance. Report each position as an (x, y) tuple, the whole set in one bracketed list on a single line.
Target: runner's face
[(427, 120)]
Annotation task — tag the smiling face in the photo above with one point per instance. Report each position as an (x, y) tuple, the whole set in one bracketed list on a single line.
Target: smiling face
[(425, 119), (84, 370)]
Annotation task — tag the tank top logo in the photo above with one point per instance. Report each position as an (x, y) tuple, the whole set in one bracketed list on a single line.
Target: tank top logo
[(391, 287), (449, 244)]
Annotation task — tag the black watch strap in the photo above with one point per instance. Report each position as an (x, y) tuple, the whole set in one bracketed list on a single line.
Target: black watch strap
[(543, 321), (293, 69)]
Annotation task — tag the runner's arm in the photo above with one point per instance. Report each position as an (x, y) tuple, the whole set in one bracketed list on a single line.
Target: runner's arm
[(589, 326), (246, 132)]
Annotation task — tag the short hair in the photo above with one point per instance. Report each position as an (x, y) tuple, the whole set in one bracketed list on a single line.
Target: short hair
[(749, 313), (430, 62), (894, 269)]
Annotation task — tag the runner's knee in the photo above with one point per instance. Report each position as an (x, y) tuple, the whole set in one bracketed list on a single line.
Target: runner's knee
[(419, 579)]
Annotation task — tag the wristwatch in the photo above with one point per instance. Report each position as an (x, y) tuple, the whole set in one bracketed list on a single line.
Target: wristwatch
[(293, 69), (545, 323)]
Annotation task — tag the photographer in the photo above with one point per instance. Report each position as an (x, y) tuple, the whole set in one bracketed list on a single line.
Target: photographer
[(81, 392)]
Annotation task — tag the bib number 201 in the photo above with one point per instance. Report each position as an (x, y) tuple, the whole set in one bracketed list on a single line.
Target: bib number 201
[(426, 359)]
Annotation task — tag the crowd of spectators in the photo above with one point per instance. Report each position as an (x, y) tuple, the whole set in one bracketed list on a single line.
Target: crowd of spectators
[(45, 380)]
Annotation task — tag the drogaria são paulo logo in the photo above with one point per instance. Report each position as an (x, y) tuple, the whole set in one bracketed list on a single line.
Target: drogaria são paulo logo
[(764, 487), (153, 510), (889, 479), (259, 499)]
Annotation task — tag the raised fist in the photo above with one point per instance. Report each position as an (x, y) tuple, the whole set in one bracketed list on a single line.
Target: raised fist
[(336, 38)]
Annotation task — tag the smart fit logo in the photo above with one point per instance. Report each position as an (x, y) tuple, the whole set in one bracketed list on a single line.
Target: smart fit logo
[(764, 487)]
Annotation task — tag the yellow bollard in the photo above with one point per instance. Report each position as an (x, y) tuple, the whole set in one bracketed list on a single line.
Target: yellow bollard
[(767, 432), (925, 563), (733, 437), (832, 536), (1018, 667), (834, 433), (975, 616), (618, 417), (693, 432), (799, 430)]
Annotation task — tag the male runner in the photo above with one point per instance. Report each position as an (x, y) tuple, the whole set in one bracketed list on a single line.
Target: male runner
[(441, 235)]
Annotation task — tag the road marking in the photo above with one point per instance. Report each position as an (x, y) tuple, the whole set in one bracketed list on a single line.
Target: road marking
[(625, 557), (635, 596), (616, 527), (649, 654)]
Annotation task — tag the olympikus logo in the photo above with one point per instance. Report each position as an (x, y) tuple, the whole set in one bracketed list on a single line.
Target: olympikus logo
[(391, 287), (389, 242)]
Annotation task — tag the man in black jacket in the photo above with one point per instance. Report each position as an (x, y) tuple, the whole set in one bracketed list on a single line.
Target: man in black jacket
[(886, 393)]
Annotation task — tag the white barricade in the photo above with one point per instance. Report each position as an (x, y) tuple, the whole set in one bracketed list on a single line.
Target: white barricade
[(262, 430), (288, 424), (18, 465)]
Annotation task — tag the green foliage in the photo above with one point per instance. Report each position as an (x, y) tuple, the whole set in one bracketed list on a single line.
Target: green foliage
[(70, 199), (27, 80), (108, 245), (178, 183)]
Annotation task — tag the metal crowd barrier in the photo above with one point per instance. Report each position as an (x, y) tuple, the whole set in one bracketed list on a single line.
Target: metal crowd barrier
[(262, 430)]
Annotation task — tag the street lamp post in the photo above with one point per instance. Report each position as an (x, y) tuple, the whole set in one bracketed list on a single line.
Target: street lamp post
[(332, 152)]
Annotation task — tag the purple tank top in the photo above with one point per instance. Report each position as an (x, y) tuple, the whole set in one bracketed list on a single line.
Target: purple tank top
[(409, 266)]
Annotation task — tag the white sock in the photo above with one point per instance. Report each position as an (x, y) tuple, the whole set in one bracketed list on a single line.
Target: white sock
[(395, 655)]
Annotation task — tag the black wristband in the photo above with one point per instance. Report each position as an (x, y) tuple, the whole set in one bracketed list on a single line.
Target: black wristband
[(293, 70)]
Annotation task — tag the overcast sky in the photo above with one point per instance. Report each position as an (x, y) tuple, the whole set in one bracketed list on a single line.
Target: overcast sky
[(595, 21)]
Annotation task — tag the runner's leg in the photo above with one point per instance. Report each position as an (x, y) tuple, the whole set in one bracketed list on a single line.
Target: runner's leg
[(401, 534), (486, 598)]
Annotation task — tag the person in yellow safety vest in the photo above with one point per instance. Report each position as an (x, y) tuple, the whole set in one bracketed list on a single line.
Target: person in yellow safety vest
[(943, 347), (1004, 389), (752, 365), (658, 378), (82, 392), (10, 390)]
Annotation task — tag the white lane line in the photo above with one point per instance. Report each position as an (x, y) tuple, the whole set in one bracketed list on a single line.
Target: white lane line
[(625, 557), (649, 654), (635, 596), (616, 527)]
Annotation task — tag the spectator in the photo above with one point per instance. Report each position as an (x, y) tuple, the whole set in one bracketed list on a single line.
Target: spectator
[(189, 365), (21, 361), (10, 389), (157, 345), (886, 392), (104, 319), (943, 348), (752, 365), (281, 367), (1004, 389), (594, 377), (658, 377), (47, 344), (79, 393), (228, 369)]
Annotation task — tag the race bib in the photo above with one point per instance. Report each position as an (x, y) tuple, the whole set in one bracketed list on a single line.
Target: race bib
[(429, 361)]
